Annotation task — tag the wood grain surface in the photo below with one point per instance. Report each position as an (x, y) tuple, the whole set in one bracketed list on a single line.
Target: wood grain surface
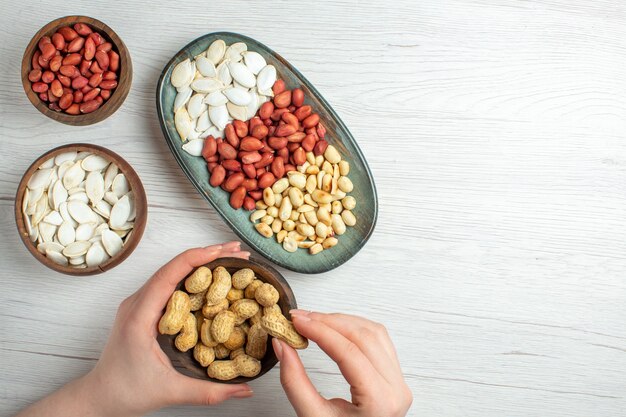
[(496, 132)]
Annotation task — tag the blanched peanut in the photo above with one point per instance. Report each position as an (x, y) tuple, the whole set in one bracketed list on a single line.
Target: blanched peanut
[(296, 179), (267, 219), (344, 168), (268, 197), (336, 207), (321, 230), (264, 230), (339, 227), (277, 225), (332, 155), (329, 242), (349, 202), (280, 185), (280, 236), (311, 218), (305, 229), (285, 209), (345, 184), (257, 215), (272, 211), (315, 249), (348, 218)]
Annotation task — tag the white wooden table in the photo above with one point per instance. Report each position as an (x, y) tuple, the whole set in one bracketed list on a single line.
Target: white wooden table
[(496, 131)]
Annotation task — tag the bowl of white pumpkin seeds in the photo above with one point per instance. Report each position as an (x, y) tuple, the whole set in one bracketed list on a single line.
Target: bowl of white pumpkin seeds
[(80, 209)]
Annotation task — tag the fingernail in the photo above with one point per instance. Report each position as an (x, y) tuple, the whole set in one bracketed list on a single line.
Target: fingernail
[(301, 318), (242, 394), (278, 349), (299, 313)]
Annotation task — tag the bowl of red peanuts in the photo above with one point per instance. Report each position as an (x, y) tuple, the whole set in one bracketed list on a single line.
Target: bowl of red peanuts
[(76, 70)]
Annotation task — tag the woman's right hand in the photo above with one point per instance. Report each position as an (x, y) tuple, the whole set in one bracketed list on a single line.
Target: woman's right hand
[(366, 357)]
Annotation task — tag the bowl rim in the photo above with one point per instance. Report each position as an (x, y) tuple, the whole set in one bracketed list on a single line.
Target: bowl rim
[(183, 54), (110, 106), (140, 200), (198, 371)]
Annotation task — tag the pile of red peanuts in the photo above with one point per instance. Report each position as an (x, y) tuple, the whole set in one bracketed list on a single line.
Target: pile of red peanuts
[(258, 152), (74, 70)]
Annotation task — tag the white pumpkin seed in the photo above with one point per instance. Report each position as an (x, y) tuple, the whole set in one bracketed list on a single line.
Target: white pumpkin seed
[(40, 210), (182, 98), (223, 73), (65, 156), (56, 257), (194, 147), (79, 260), (54, 246), (54, 217), (47, 231), (25, 200), (206, 67), (120, 213), (237, 96), (110, 197), (94, 187), (66, 215), (94, 163), (81, 212), (59, 194), (196, 105), (242, 74), (78, 248), (103, 208), (40, 179), (253, 106), (112, 242), (95, 255), (47, 164), (237, 112), (215, 98), (182, 73), (203, 121), (216, 51), (206, 85), (219, 116), (79, 196), (266, 78), (233, 52), (254, 61), (109, 175), (85, 231), (120, 186), (66, 233), (73, 176), (63, 168), (182, 121)]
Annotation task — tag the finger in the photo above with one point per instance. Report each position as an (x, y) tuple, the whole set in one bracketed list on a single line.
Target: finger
[(158, 289), (353, 364), (370, 337), (300, 391), (188, 390)]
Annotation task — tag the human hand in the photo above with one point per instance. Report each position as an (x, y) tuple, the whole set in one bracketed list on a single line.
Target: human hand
[(133, 375), (366, 357)]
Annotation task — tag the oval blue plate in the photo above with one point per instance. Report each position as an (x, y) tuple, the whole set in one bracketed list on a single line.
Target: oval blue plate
[(337, 134)]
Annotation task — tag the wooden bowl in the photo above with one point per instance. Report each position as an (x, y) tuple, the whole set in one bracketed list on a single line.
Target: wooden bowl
[(195, 168), (185, 362), (140, 204), (117, 96)]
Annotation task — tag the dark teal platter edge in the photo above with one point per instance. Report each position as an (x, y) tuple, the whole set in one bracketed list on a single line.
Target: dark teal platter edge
[(365, 189)]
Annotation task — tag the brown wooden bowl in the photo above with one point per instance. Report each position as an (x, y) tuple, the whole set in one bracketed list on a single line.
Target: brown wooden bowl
[(117, 96), (185, 363), (140, 204)]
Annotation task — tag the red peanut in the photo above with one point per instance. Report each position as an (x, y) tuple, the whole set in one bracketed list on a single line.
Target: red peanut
[(217, 176)]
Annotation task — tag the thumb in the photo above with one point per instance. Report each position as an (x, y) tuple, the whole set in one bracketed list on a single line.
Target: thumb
[(300, 391), (189, 390)]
